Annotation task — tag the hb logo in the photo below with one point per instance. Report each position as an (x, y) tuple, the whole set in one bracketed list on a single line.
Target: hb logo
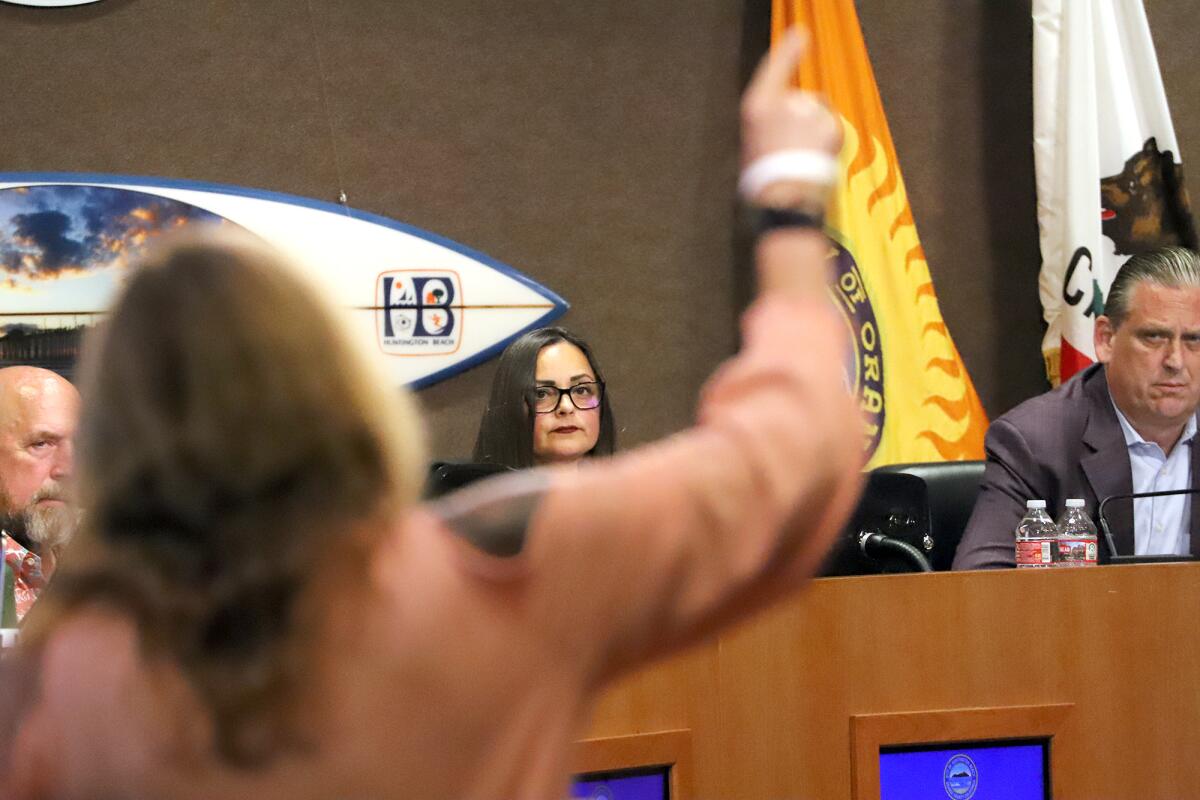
[(417, 312)]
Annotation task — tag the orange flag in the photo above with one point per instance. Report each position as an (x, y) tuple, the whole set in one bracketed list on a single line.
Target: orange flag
[(916, 394)]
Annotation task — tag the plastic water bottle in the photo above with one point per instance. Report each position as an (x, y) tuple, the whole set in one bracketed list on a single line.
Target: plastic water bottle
[(1037, 537), (1076, 537)]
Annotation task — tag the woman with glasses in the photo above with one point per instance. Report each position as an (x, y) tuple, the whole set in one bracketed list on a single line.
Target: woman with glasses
[(547, 404)]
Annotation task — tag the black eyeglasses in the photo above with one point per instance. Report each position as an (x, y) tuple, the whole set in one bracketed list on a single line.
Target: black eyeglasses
[(584, 396)]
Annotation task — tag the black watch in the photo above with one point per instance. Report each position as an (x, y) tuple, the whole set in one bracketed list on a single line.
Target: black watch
[(767, 219)]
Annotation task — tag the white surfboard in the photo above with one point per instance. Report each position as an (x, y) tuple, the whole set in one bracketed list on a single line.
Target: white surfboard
[(429, 306), (49, 3)]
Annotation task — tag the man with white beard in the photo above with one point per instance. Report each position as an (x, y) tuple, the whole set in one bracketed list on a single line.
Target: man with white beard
[(38, 414)]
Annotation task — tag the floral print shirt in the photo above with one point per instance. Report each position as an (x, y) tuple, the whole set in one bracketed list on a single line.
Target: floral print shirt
[(27, 572)]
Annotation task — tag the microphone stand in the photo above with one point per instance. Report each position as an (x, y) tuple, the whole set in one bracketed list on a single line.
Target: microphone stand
[(1136, 559), (874, 540)]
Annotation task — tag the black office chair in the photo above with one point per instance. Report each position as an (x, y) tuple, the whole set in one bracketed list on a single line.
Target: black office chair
[(951, 488), (448, 476), (910, 518), (887, 531)]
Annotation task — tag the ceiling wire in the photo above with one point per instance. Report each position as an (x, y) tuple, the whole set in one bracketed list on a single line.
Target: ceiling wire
[(337, 161)]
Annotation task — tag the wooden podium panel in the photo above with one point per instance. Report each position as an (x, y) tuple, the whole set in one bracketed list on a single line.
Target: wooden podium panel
[(869, 733), (770, 705), (669, 748)]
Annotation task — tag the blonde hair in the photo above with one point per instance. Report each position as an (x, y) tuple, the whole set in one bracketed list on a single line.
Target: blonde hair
[(234, 446)]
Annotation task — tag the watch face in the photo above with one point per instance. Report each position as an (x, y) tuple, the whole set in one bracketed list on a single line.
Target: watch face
[(772, 218)]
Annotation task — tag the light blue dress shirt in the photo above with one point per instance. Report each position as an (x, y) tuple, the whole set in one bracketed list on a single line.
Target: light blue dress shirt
[(1160, 524)]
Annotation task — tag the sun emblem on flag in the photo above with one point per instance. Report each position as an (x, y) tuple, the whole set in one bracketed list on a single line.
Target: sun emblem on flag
[(933, 409)]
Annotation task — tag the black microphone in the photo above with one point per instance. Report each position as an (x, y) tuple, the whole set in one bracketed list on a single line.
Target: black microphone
[(881, 543), (1108, 537)]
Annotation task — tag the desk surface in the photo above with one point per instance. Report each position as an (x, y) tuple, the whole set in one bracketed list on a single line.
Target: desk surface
[(769, 703)]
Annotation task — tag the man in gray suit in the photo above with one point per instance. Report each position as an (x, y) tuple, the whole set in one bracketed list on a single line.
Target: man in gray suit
[(1126, 424)]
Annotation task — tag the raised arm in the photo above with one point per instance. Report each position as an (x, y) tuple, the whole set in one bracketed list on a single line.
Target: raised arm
[(643, 552)]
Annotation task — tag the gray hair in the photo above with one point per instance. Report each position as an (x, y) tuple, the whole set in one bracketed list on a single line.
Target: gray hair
[(1171, 267)]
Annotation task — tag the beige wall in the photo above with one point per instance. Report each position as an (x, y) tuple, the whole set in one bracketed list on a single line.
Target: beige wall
[(589, 145)]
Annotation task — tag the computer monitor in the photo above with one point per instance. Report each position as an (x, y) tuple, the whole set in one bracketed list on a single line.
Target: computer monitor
[(637, 783), (1014, 769)]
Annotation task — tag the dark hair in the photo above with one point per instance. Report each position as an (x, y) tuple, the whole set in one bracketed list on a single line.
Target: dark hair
[(221, 465), (506, 430), (1171, 267)]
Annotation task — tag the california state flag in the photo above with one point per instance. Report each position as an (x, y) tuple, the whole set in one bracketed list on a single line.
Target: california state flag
[(916, 394), (1109, 179)]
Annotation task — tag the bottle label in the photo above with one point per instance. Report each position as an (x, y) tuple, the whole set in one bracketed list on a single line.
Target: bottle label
[(1035, 553), (1077, 552)]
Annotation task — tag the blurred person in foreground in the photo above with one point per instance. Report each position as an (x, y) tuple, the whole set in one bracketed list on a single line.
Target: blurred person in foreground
[(38, 413), (256, 607), (548, 404)]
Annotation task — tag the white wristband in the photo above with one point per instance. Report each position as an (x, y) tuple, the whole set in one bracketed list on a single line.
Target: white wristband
[(808, 166)]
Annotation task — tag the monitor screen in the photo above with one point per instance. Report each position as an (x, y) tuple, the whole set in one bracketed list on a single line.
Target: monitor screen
[(641, 783), (997, 770)]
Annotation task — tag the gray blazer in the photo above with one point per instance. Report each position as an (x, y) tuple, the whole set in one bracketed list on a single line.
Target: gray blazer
[(1062, 444)]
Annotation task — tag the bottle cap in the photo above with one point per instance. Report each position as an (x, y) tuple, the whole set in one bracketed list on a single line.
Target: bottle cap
[(1074, 503), (1035, 503)]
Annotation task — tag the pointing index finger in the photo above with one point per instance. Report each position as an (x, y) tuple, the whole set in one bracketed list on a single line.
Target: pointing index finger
[(774, 73)]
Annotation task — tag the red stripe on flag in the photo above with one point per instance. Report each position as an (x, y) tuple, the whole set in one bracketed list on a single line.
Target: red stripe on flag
[(1070, 361)]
